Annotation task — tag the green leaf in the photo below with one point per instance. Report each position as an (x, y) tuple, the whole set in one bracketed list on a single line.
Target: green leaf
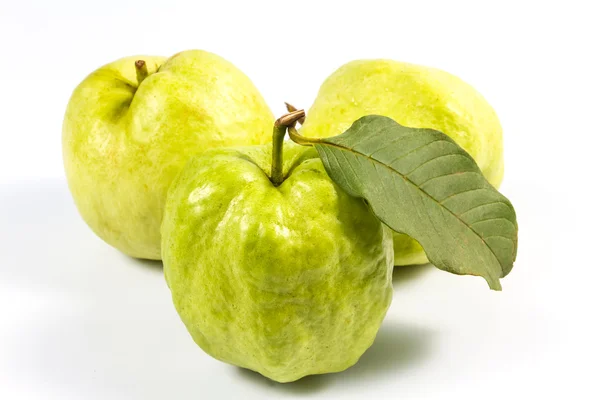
[(420, 182)]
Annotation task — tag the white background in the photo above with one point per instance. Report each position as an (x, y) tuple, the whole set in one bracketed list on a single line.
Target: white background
[(78, 320)]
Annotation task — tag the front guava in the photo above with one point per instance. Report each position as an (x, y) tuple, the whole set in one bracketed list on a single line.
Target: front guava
[(286, 280)]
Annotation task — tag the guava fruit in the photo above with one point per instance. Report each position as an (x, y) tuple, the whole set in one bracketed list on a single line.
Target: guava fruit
[(414, 96), (131, 125), (287, 278)]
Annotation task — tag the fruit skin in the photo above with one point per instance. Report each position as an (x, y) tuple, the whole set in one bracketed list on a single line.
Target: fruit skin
[(124, 143), (287, 281), (414, 96)]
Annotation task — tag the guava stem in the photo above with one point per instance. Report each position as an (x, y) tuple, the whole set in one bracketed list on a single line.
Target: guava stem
[(279, 129), (141, 70), (291, 108)]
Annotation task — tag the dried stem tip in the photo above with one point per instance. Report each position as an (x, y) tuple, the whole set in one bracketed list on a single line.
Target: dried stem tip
[(290, 119), (141, 70), (291, 108)]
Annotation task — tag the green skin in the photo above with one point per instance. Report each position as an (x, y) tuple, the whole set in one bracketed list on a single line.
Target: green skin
[(414, 96), (287, 280), (128, 131)]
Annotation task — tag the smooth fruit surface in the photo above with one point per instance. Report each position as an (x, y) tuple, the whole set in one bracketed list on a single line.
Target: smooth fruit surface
[(124, 141), (288, 281), (414, 96)]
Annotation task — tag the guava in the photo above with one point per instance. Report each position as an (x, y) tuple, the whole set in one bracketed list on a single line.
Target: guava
[(288, 276), (131, 125), (414, 96)]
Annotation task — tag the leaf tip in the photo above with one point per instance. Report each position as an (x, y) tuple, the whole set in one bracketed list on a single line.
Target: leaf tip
[(494, 284)]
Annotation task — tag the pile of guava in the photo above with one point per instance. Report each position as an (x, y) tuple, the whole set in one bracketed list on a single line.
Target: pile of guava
[(279, 253)]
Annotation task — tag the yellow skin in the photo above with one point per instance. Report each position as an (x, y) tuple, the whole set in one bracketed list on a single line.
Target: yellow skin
[(124, 142), (414, 96), (287, 281)]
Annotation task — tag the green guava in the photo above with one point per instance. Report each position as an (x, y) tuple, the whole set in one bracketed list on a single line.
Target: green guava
[(414, 96), (288, 280), (131, 125)]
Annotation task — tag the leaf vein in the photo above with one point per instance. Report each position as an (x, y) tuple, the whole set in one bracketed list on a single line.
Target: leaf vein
[(338, 163), (364, 138), (464, 191), (400, 137), (483, 205), (416, 149), (493, 219), (437, 158), (445, 176), (500, 236)]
